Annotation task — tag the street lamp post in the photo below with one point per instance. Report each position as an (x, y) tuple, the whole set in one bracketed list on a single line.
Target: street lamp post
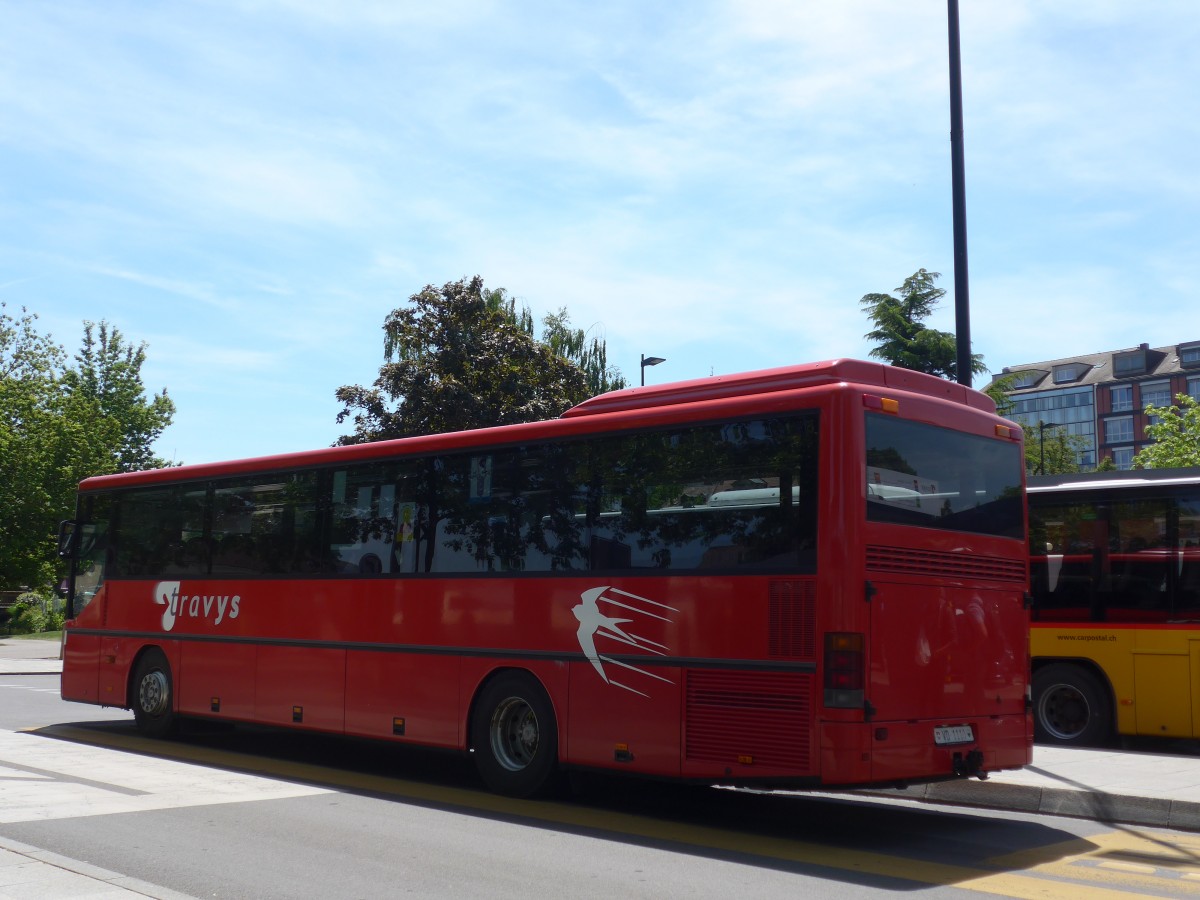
[(649, 361), (1042, 426), (958, 196)]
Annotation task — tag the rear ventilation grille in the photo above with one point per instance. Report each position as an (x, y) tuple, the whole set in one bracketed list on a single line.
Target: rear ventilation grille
[(792, 620), (763, 716), (937, 564)]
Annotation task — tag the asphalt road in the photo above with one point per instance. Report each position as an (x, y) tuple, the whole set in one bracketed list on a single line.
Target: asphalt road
[(249, 813)]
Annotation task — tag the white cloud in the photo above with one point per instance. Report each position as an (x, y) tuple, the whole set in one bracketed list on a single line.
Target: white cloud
[(251, 185), (289, 186)]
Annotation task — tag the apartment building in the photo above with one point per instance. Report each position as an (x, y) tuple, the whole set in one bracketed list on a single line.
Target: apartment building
[(1102, 396)]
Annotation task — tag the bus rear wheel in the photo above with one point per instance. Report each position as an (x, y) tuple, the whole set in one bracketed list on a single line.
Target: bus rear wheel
[(152, 700), (1070, 706), (514, 737)]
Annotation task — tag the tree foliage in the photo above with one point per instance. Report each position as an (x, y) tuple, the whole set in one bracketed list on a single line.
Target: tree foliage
[(999, 390), (589, 354), (1175, 431), (56, 431), (109, 374), (461, 357), (903, 340), (1054, 451)]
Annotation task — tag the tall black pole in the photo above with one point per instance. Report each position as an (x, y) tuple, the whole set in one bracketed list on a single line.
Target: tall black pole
[(962, 298)]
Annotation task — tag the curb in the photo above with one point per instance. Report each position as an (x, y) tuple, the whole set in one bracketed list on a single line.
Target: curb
[(1097, 806), (30, 667), (53, 875)]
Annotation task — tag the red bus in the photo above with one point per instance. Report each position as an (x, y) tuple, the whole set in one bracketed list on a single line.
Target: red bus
[(809, 576)]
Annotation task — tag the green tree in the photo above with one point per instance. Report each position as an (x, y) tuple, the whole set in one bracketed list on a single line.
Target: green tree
[(54, 432), (42, 439), (1053, 451), (461, 357), (109, 374), (1175, 431), (999, 390), (590, 355), (573, 344), (903, 340)]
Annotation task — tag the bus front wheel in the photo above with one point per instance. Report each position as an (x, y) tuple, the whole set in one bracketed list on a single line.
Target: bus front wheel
[(152, 700), (1070, 706), (514, 737)]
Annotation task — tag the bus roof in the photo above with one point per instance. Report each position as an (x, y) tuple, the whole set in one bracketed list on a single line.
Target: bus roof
[(576, 420), (782, 379), (1124, 480)]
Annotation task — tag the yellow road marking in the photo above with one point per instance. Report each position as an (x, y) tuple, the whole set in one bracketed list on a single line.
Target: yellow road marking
[(988, 881), (1128, 867), (1126, 860)]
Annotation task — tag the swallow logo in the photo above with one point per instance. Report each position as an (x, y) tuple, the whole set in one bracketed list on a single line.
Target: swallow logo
[(610, 615)]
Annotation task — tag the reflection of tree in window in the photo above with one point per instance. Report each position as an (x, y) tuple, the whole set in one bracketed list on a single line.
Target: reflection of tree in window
[(889, 458), (667, 483), (625, 501)]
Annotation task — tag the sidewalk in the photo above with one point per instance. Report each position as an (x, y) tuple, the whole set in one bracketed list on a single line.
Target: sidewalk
[(19, 656), (27, 871), (1113, 786)]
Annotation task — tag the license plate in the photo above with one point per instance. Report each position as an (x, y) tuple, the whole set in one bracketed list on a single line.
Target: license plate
[(953, 734)]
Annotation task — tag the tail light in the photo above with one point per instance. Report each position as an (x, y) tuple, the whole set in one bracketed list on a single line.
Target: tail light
[(845, 668)]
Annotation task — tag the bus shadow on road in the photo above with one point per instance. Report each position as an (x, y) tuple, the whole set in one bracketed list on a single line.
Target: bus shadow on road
[(865, 842)]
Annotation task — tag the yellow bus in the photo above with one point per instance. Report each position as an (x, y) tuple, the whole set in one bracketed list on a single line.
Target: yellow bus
[(1115, 583)]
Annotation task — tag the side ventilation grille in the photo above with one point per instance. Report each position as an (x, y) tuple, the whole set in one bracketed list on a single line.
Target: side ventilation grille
[(934, 563), (763, 716), (792, 620)]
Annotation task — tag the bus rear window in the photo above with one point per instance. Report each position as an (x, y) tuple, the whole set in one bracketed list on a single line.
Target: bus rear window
[(934, 477)]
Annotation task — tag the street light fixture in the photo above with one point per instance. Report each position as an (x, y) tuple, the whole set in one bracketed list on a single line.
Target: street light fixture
[(649, 361)]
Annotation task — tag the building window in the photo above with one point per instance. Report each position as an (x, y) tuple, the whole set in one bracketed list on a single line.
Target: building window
[(1069, 372), (1123, 457), (1156, 393), (1194, 389), (1027, 379), (1122, 398), (1118, 430), (1129, 363), (1189, 355)]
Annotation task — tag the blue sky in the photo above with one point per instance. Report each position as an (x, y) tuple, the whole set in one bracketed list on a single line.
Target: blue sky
[(249, 187)]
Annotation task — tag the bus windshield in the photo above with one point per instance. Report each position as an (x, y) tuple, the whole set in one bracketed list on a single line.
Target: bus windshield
[(934, 477)]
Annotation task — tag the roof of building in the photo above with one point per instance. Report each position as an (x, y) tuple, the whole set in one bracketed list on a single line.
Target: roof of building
[(1140, 363)]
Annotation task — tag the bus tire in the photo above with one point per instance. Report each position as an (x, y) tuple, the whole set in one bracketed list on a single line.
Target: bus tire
[(1070, 706), (152, 695), (514, 737)]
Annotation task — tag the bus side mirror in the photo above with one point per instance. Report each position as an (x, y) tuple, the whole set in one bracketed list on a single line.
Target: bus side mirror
[(66, 538)]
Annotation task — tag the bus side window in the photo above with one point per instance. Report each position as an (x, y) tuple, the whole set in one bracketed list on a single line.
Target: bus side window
[(1062, 540), (1139, 561), (265, 526), (1187, 596), (375, 518), (155, 527)]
